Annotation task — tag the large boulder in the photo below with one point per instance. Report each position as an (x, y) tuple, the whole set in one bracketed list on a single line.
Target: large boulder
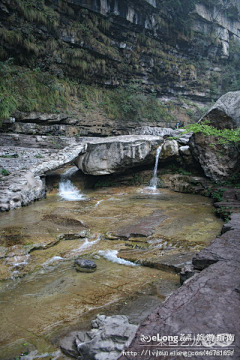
[(225, 113), (116, 154), (219, 161)]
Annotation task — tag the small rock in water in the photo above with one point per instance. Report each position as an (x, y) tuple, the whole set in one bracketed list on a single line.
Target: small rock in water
[(110, 236), (85, 265), (72, 236)]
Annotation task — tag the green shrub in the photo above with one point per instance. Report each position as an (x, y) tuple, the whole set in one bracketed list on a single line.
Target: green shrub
[(5, 172), (217, 194), (223, 136)]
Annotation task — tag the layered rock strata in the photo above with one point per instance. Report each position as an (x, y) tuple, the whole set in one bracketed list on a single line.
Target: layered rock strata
[(114, 42)]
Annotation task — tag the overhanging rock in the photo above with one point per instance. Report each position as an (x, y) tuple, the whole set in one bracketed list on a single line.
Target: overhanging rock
[(117, 154)]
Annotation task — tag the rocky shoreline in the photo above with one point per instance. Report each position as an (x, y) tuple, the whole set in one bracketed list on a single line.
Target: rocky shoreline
[(207, 303), (201, 315)]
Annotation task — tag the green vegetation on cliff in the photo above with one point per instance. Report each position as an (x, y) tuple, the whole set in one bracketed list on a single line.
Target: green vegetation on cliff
[(230, 80), (157, 48), (69, 52), (222, 136), (180, 11), (29, 90)]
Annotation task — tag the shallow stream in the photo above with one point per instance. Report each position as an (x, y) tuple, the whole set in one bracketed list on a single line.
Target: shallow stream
[(42, 296)]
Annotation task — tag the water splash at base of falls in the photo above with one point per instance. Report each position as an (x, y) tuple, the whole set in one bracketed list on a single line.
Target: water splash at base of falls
[(67, 190)]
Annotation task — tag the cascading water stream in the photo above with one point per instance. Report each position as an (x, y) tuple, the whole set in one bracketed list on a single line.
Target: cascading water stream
[(154, 180), (67, 190)]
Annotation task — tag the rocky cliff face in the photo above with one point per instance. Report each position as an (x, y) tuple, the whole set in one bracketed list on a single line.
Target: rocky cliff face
[(164, 47)]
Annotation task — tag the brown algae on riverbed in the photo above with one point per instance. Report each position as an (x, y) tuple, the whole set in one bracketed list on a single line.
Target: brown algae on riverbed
[(52, 295)]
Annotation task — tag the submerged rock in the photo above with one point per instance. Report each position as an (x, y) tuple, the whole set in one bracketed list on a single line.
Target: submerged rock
[(143, 227), (85, 265), (157, 259)]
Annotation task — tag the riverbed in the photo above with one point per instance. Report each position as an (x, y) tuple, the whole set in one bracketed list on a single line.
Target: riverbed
[(42, 294)]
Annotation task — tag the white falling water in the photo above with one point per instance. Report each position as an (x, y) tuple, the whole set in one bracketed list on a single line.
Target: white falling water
[(67, 190), (154, 180)]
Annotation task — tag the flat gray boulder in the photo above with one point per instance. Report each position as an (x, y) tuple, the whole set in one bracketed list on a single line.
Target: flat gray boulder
[(118, 153)]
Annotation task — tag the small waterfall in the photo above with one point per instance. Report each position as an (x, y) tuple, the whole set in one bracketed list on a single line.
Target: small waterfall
[(154, 180), (67, 190)]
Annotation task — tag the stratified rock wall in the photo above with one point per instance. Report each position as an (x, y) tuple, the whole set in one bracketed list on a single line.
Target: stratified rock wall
[(113, 42)]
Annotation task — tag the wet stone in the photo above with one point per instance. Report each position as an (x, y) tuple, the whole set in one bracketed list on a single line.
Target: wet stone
[(233, 224), (143, 227), (72, 236), (85, 265), (155, 259), (109, 236), (187, 272), (216, 251)]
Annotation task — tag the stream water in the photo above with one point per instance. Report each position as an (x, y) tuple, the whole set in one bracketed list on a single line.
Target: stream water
[(41, 294)]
